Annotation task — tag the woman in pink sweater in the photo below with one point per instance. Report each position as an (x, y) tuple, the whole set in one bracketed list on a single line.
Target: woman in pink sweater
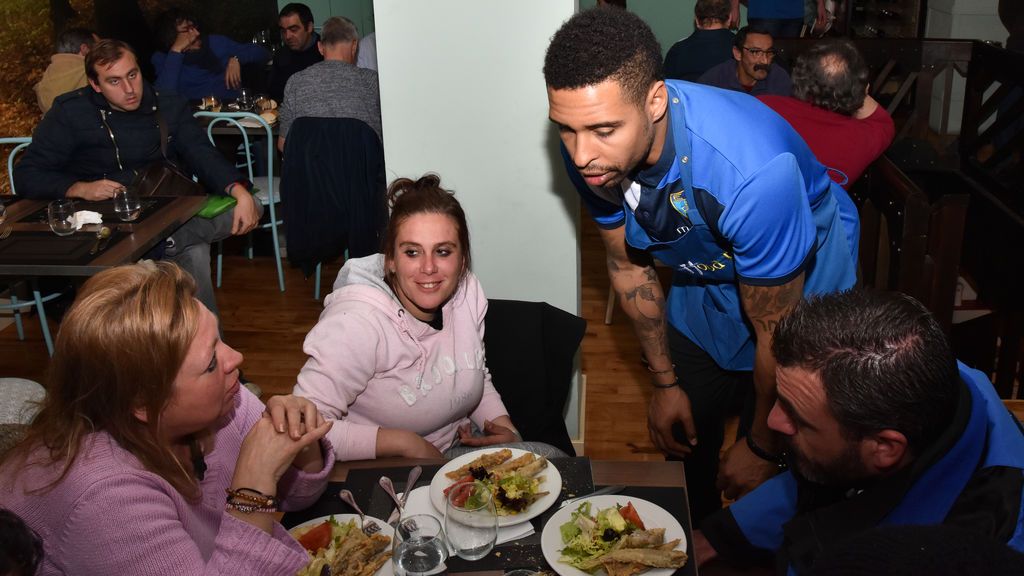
[(145, 428), (397, 358)]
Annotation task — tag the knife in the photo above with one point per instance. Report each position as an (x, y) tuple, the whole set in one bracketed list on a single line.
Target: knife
[(606, 490)]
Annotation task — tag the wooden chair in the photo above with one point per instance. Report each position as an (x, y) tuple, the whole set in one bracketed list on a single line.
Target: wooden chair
[(909, 241)]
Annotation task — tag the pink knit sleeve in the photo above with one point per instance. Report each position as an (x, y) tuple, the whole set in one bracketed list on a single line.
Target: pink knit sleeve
[(490, 406), (342, 350), (131, 521)]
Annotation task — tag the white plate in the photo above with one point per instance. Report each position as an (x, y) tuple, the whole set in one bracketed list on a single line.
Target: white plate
[(653, 516), (552, 484), (387, 569)]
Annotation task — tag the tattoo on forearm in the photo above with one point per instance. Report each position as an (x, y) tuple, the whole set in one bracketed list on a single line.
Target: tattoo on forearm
[(766, 305)]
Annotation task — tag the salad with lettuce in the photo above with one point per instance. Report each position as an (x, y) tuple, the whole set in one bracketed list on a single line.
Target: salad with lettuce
[(588, 536)]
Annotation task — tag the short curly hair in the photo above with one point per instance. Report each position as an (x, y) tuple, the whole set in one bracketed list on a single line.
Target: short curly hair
[(831, 75), (600, 44)]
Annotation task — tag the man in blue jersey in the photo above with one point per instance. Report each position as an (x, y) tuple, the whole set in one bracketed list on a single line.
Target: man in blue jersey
[(715, 185), (883, 428)]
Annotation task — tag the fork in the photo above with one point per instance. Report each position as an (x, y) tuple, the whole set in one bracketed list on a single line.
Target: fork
[(369, 528), (6, 231)]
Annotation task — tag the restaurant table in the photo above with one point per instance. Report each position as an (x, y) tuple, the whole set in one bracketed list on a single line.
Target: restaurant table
[(34, 250), (662, 483)]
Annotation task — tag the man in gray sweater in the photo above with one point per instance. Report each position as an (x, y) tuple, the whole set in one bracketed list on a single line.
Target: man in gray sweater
[(334, 88)]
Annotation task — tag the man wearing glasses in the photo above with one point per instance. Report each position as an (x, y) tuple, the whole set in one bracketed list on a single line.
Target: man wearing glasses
[(753, 70)]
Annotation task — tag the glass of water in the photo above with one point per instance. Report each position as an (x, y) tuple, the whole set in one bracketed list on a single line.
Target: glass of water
[(419, 548), (470, 520), (60, 214), (126, 204)]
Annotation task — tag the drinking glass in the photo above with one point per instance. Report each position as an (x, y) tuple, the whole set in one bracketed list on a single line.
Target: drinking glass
[(60, 214), (211, 104), (244, 100), (126, 204), (419, 548), (470, 520)]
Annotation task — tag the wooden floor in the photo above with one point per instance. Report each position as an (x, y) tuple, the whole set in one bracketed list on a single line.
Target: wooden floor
[(268, 327)]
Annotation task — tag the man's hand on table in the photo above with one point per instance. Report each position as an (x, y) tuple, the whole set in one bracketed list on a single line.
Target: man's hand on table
[(740, 470), (703, 552), (96, 190), (668, 406), (246, 214)]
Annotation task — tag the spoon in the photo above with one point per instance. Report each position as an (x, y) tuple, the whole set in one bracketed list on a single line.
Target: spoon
[(410, 482), (389, 487), (102, 234), (346, 496)]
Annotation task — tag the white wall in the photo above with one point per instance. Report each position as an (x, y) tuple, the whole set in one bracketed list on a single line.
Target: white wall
[(463, 95)]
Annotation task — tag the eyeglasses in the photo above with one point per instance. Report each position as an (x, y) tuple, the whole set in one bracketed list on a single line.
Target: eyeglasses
[(757, 52)]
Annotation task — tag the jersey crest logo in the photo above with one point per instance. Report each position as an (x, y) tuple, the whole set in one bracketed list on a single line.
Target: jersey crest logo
[(678, 202)]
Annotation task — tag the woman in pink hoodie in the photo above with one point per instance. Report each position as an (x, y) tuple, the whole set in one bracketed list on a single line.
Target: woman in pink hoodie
[(397, 358)]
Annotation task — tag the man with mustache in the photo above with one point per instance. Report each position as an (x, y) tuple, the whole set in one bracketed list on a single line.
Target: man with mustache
[(752, 69), (748, 219), (883, 427)]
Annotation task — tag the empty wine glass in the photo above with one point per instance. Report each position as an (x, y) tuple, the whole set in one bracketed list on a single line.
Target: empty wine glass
[(470, 520), (126, 204), (419, 548), (60, 214)]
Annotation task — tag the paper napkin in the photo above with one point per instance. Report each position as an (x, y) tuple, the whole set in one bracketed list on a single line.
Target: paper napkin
[(83, 217)]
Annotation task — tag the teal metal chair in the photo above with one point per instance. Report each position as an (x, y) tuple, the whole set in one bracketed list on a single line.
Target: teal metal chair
[(267, 189), (16, 307)]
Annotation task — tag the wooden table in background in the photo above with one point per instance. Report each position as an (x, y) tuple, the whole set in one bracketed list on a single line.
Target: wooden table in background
[(141, 238)]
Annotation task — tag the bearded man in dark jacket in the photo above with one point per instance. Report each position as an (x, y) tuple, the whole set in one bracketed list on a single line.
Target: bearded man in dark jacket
[(95, 139)]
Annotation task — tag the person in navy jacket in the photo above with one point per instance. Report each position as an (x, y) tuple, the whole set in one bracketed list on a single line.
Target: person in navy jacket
[(883, 427)]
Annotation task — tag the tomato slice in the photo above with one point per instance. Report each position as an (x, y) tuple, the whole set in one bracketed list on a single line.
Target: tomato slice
[(317, 538), (466, 478), (629, 515)]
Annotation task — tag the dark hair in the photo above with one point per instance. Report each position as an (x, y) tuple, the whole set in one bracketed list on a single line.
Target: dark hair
[(70, 41), (615, 3), (103, 53), (708, 11), (303, 11), (600, 44), (832, 75), (338, 29), (740, 40), (119, 350), (408, 197), (166, 29), (882, 359), (21, 550)]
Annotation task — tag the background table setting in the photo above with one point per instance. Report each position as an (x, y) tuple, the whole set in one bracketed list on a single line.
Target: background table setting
[(526, 540)]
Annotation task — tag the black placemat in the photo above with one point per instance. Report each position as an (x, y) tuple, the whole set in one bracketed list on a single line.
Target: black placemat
[(576, 479), (150, 205), (39, 247)]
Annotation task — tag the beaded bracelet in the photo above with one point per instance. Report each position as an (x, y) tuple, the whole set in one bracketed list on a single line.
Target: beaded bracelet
[(667, 371), (250, 498), (777, 459), (250, 508)]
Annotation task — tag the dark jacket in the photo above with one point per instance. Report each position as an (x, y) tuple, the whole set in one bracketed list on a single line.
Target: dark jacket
[(288, 62), (73, 143), (332, 190), (697, 53), (972, 477)]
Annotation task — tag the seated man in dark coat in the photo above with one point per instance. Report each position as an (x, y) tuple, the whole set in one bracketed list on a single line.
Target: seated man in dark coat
[(884, 428), (94, 140), (710, 43), (752, 69)]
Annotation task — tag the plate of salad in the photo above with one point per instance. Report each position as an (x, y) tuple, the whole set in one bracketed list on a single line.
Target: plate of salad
[(614, 535), (337, 542), (524, 484)]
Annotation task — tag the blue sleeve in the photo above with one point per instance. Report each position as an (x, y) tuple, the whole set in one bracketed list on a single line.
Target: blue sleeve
[(761, 514), (168, 70), (770, 225), (248, 53), (606, 214)]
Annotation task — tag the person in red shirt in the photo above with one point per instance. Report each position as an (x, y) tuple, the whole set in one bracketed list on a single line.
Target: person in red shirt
[(831, 109)]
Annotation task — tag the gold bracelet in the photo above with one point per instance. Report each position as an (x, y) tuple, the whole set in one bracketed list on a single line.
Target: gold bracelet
[(249, 497)]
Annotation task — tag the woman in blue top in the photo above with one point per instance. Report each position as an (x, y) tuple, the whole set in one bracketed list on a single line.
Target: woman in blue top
[(197, 65)]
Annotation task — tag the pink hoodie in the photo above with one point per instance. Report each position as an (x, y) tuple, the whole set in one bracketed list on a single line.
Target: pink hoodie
[(372, 364)]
